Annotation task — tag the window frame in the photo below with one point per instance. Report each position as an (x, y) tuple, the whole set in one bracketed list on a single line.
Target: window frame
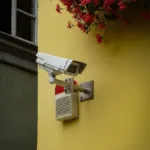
[(33, 16)]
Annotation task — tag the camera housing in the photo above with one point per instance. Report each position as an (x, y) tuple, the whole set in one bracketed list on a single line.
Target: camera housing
[(57, 65)]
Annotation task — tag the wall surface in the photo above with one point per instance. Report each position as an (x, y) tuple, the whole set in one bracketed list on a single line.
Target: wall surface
[(118, 117), (18, 109)]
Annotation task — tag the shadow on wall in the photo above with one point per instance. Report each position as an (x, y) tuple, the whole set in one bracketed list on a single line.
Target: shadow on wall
[(124, 65), (134, 34), (127, 51)]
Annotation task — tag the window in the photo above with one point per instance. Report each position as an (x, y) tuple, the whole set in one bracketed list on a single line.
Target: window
[(19, 18), (5, 16)]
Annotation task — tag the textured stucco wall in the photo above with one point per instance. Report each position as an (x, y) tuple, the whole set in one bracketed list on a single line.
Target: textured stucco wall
[(118, 117)]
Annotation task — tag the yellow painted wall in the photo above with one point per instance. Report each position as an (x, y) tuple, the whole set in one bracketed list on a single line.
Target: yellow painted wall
[(119, 116)]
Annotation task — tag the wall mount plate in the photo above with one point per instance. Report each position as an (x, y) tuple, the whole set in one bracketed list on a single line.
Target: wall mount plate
[(69, 89), (87, 96)]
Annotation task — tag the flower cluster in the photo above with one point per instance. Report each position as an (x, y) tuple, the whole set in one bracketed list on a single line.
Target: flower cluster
[(95, 13)]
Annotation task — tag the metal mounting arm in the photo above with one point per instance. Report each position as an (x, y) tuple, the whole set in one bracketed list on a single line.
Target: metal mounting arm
[(86, 89)]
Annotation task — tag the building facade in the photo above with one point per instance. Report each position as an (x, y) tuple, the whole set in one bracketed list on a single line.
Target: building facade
[(118, 117), (18, 75)]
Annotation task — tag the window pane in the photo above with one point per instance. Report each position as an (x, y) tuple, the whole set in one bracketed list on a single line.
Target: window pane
[(5, 15), (25, 26), (26, 5)]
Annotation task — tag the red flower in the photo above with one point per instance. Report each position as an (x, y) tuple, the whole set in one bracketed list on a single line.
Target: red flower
[(69, 9), (101, 25), (122, 5), (58, 8), (99, 38), (85, 2), (107, 4), (76, 10), (81, 26), (96, 2), (88, 18), (70, 25), (68, 4)]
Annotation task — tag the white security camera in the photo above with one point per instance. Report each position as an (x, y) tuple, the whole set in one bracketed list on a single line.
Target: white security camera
[(58, 65), (66, 101)]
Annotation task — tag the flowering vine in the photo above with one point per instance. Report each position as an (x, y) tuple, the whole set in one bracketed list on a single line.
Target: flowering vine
[(87, 13)]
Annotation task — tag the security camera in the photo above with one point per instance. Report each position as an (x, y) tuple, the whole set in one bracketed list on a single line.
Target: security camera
[(66, 101), (58, 65), (55, 65)]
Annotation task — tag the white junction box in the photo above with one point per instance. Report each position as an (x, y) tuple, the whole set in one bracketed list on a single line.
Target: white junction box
[(66, 106)]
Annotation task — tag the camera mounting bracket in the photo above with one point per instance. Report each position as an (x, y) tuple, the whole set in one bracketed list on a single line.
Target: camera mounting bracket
[(86, 89)]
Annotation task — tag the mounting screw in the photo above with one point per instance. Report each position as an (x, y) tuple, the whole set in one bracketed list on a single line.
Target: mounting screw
[(66, 90)]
